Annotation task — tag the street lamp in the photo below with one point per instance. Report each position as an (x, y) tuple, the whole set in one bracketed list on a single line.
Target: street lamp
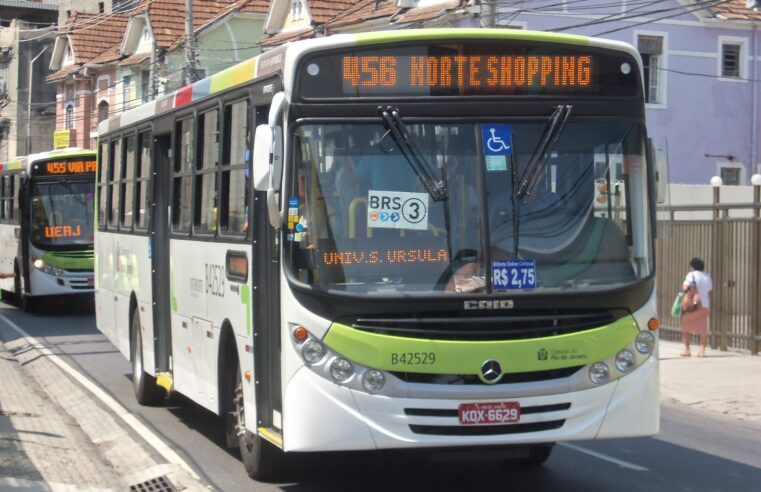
[(29, 102), (716, 182)]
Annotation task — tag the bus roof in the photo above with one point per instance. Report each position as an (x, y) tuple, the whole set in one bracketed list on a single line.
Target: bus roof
[(273, 62), (24, 162)]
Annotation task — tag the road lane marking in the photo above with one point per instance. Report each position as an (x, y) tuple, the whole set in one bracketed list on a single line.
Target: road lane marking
[(604, 457), (142, 430)]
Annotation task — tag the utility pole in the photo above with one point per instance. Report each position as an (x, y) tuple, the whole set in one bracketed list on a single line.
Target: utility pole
[(488, 13), (29, 102), (190, 72)]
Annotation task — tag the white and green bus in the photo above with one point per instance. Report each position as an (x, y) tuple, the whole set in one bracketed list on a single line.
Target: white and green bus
[(420, 239), (47, 219)]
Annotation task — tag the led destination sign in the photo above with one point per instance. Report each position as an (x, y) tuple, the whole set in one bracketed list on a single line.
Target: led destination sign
[(468, 72), (469, 69), (64, 167)]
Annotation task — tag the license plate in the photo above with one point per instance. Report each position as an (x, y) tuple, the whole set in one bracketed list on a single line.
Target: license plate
[(91, 282), (489, 413)]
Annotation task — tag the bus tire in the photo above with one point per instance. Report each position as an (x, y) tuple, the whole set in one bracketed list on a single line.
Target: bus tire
[(146, 390), (261, 459), (538, 454)]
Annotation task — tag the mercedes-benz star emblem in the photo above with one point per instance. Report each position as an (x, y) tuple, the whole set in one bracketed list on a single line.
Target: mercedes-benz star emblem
[(491, 372)]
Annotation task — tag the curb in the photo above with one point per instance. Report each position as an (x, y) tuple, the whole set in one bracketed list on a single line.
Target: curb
[(137, 466)]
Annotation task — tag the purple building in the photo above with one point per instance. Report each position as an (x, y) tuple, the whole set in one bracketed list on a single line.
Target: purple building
[(701, 67)]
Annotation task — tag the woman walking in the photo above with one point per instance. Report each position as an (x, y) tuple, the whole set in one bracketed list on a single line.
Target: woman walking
[(696, 306)]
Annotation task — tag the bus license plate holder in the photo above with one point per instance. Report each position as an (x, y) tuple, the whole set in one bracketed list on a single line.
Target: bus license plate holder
[(503, 412)]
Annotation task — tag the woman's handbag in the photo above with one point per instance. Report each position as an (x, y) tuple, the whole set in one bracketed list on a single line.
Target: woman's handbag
[(676, 309), (691, 301)]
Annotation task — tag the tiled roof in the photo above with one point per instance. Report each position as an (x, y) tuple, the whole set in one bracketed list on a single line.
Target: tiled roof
[(736, 10), (90, 33), (61, 74), (360, 11), (167, 17), (363, 11), (324, 10)]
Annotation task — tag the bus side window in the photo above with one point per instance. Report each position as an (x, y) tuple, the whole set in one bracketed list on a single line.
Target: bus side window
[(183, 175), (103, 173), (3, 197), (16, 194), (115, 171), (236, 169), (142, 181), (127, 184), (207, 161)]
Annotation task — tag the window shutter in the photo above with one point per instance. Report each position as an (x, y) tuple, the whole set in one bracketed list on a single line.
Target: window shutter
[(730, 60)]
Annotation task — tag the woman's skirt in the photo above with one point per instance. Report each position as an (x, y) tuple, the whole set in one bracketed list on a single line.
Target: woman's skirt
[(696, 322)]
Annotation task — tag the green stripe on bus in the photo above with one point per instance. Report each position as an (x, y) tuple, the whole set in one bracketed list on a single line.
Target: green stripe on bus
[(393, 353), (245, 297), (467, 34), (70, 260)]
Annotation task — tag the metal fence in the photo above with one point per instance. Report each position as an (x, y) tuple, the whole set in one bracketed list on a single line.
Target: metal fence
[(730, 245)]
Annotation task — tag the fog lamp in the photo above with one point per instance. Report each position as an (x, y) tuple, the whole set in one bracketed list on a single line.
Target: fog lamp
[(312, 351), (373, 380), (645, 342), (625, 360), (341, 370), (599, 372)]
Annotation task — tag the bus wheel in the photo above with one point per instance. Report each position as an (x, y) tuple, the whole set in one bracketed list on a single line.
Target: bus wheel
[(144, 384), (538, 454), (260, 458)]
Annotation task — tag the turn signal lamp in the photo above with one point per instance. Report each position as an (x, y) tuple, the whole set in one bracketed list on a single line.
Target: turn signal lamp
[(248, 376), (602, 192), (300, 333), (654, 323)]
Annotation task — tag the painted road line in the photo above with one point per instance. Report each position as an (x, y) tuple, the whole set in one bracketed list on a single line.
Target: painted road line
[(142, 430), (605, 457)]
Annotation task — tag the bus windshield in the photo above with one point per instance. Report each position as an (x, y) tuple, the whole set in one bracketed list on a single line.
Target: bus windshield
[(62, 213), (361, 220)]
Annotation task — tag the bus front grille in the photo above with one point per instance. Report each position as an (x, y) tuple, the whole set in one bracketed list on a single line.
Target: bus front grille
[(468, 379), (485, 430), (513, 326)]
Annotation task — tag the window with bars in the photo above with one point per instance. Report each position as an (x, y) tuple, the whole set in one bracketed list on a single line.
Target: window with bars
[(730, 60), (651, 50)]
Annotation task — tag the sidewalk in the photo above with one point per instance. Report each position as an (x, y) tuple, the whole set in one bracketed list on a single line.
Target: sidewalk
[(727, 383), (55, 436)]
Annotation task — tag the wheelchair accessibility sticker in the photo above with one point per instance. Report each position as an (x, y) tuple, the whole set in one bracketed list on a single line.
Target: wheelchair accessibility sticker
[(397, 210), (498, 144)]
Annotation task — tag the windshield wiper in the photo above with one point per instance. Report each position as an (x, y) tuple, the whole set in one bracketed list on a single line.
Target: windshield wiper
[(392, 120), (530, 177), (552, 131)]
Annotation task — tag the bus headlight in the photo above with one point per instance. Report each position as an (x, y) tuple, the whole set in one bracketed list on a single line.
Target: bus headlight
[(373, 380), (341, 370), (599, 372), (57, 271), (312, 351), (625, 360), (645, 342), (39, 264)]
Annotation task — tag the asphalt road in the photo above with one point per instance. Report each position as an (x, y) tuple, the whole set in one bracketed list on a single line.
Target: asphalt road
[(694, 451)]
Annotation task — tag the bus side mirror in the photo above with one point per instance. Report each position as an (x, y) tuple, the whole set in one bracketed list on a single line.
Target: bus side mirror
[(268, 158), (658, 155)]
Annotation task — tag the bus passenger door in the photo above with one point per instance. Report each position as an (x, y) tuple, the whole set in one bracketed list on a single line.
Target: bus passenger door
[(159, 251), (266, 305)]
